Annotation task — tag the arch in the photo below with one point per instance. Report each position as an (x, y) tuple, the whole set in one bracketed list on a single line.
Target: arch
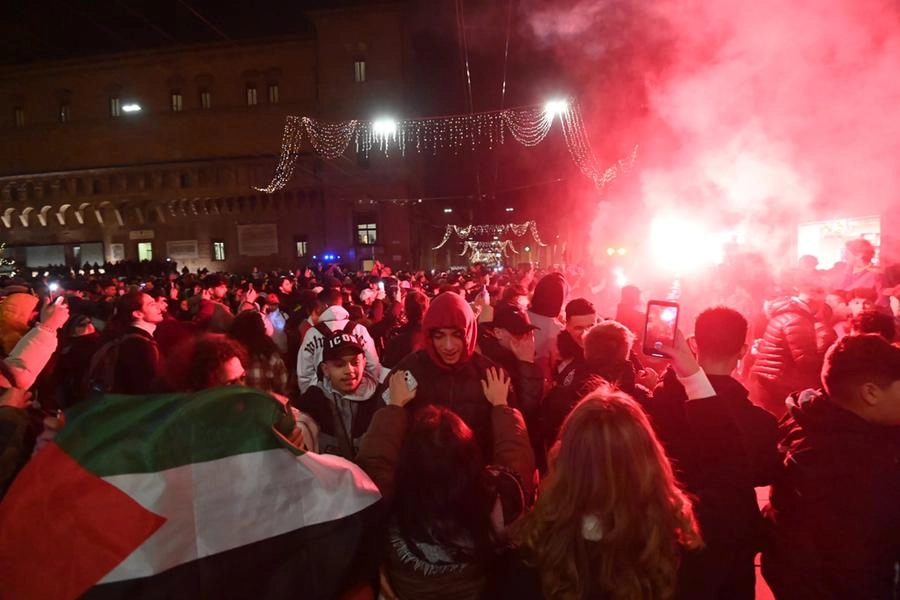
[(61, 213), (24, 216), (79, 214), (98, 211), (42, 216), (7, 217)]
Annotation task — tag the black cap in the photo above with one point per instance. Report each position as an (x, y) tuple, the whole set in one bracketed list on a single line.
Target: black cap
[(340, 343), (512, 319)]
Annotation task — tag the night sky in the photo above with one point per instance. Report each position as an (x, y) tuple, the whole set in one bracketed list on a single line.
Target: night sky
[(59, 29)]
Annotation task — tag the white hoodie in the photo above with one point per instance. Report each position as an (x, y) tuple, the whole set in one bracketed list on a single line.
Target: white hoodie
[(310, 354)]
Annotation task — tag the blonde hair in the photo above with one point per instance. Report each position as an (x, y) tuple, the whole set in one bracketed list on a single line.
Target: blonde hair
[(608, 465)]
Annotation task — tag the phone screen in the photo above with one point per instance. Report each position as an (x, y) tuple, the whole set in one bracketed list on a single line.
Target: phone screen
[(659, 330)]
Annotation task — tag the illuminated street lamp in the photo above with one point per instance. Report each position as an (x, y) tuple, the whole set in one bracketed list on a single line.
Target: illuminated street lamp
[(384, 127), (556, 107)]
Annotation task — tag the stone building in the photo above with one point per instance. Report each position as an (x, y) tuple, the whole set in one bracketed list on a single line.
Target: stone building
[(155, 153)]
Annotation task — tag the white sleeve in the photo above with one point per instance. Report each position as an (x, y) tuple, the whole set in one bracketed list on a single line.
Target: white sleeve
[(30, 355), (308, 359), (697, 385), (373, 364)]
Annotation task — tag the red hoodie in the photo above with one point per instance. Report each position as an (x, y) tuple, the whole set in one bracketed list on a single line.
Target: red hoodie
[(449, 310)]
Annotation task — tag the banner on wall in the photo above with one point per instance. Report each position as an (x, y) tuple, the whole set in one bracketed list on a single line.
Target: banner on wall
[(258, 240)]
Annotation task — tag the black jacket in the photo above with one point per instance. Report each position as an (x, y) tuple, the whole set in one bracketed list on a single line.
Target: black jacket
[(458, 389), (721, 448), (334, 436), (789, 353), (562, 398), (835, 505)]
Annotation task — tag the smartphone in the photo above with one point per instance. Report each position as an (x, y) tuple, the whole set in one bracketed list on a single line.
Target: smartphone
[(411, 382), (660, 327)]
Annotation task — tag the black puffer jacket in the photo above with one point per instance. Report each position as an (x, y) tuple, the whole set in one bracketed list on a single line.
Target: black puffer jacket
[(835, 506), (789, 352)]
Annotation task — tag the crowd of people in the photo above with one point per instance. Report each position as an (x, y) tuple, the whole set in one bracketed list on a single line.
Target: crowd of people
[(522, 444)]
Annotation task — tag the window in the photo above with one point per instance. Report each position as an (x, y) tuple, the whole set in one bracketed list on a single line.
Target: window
[(145, 251), (301, 245), (205, 99), (177, 101), (65, 113), (273, 93), (20, 116), (184, 180), (115, 107), (218, 249), (359, 71), (251, 95), (366, 234)]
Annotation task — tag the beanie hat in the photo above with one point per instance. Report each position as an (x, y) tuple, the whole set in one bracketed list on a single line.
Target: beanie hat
[(549, 295)]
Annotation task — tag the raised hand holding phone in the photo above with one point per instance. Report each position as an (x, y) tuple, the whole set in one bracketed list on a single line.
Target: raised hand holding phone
[(660, 328), (684, 363), (55, 314), (399, 386)]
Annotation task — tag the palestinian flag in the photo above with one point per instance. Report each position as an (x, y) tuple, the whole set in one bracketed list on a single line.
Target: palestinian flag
[(183, 495)]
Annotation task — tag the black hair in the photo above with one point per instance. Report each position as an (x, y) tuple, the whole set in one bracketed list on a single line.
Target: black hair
[(874, 321), (248, 329), (858, 359), (441, 494), (720, 332)]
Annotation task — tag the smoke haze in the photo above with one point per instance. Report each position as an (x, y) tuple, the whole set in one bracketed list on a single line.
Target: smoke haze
[(751, 116)]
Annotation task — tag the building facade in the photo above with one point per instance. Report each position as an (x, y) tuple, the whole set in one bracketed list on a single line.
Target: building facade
[(156, 154)]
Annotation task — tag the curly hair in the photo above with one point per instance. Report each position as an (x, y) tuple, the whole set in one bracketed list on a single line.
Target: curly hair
[(607, 466), (194, 365)]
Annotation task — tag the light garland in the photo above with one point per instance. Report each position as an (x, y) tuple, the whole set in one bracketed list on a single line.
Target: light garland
[(529, 126), (464, 232), (481, 248)]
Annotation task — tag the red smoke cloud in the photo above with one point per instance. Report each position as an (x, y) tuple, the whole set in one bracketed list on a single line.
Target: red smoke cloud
[(751, 116)]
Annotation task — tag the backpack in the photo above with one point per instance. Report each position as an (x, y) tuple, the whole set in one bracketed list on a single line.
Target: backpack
[(327, 332), (101, 375)]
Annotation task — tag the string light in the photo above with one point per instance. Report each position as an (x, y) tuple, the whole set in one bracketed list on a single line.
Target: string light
[(529, 126), (495, 248), (464, 232)]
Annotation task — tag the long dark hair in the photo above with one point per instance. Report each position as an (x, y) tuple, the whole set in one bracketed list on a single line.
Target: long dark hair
[(249, 330), (442, 495)]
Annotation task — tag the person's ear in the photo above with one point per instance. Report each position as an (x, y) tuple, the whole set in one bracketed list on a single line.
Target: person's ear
[(692, 344), (869, 393)]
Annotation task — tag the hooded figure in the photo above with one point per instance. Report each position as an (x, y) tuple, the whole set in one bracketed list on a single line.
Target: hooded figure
[(448, 371), (546, 305), (15, 313)]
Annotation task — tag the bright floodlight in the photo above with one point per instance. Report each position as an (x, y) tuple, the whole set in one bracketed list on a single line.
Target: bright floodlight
[(131, 107), (556, 107), (384, 127)]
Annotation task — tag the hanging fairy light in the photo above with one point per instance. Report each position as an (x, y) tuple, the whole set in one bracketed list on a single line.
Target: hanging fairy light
[(464, 232), (453, 134)]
